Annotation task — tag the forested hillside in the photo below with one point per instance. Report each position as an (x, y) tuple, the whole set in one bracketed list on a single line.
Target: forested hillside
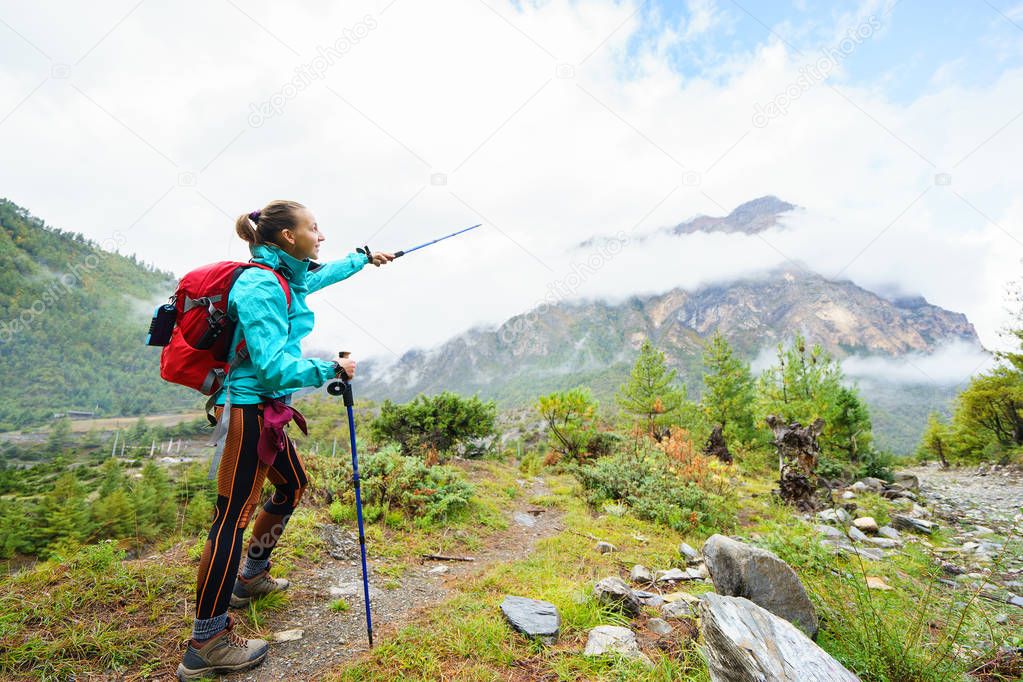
[(73, 317)]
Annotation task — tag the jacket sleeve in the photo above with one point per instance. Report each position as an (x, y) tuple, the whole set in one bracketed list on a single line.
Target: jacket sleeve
[(262, 311), (335, 271)]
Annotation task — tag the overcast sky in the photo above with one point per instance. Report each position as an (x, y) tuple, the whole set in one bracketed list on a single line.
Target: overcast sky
[(896, 126)]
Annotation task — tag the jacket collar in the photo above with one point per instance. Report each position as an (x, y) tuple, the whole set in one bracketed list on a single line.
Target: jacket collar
[(293, 269)]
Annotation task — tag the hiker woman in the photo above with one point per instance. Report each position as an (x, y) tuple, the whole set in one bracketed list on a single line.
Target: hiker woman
[(283, 235)]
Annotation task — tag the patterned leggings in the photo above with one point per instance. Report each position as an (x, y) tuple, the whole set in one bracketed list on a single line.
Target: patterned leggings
[(239, 487)]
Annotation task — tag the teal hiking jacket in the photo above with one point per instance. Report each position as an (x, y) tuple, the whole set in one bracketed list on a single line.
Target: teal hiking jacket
[(273, 334)]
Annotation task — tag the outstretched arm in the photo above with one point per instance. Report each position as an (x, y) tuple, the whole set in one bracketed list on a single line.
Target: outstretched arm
[(335, 271)]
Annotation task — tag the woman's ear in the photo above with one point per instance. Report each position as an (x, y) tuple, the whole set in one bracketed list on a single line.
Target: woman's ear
[(288, 236)]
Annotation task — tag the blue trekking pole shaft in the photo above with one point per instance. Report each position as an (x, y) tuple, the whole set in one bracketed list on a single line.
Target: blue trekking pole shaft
[(343, 388), (399, 254)]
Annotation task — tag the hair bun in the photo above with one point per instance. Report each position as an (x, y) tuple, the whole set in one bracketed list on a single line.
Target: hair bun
[(254, 216)]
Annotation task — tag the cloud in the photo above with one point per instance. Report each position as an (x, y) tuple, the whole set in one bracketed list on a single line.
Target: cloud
[(550, 122), (951, 364)]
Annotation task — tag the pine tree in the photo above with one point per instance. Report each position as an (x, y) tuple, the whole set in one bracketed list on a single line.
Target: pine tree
[(651, 393), (807, 384), (153, 501), (729, 391), (113, 516), (571, 418), (60, 432), (63, 513), (847, 423), (14, 536)]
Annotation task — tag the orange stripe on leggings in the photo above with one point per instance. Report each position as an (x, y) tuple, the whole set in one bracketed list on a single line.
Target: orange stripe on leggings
[(256, 479), (232, 447)]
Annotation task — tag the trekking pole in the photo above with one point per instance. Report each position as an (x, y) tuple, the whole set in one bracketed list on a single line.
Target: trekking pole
[(399, 254), (343, 388)]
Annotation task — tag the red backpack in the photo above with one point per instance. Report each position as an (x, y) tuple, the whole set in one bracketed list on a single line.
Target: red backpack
[(195, 330)]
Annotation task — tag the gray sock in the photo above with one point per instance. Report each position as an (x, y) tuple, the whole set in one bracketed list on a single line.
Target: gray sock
[(254, 567), (206, 628)]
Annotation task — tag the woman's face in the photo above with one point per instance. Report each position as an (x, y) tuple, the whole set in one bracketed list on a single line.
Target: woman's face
[(303, 241)]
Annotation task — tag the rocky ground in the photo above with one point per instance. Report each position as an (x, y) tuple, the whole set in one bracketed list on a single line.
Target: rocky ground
[(982, 510), (968, 519), (988, 495), (323, 638)]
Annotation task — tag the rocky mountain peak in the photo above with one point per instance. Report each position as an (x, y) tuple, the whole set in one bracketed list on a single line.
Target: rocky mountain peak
[(751, 217)]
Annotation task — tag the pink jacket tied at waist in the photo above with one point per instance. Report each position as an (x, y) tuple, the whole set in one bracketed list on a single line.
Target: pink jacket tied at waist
[(272, 439)]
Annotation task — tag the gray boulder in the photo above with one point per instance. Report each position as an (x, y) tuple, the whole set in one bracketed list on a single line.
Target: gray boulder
[(908, 480), (681, 608), (532, 617), (641, 574), (867, 524), (837, 515), (741, 570), (872, 483), (659, 626), (613, 591), (605, 639), (909, 523), (648, 598), (690, 554), (745, 643)]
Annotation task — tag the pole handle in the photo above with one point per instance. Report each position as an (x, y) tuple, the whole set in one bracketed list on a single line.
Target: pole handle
[(341, 386)]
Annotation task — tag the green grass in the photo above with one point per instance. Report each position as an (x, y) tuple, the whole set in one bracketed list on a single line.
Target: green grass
[(91, 612), (468, 638)]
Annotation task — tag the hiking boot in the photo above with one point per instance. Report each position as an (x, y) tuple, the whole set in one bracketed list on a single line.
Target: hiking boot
[(223, 653), (247, 588)]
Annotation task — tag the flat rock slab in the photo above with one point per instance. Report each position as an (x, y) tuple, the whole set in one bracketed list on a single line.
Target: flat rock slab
[(910, 523), (745, 643), (353, 589), (532, 617), (648, 598), (659, 626), (681, 609), (676, 574), (741, 570), (605, 639), (524, 519)]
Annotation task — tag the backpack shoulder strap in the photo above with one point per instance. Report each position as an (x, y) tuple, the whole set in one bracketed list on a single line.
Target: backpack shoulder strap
[(241, 352), (280, 278)]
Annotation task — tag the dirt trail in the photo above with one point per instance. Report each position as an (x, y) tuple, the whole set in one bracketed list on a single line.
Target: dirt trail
[(330, 638)]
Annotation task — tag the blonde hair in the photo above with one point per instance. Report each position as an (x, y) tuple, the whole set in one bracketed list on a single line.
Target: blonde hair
[(262, 226)]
